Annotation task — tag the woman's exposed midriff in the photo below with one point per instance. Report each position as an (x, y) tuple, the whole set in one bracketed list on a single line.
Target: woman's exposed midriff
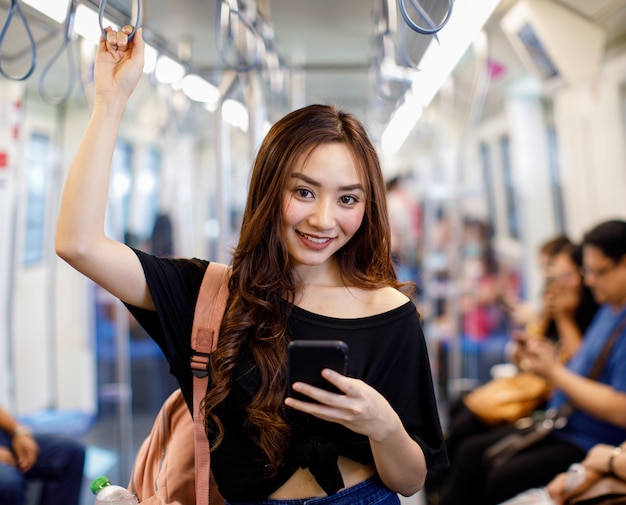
[(302, 484)]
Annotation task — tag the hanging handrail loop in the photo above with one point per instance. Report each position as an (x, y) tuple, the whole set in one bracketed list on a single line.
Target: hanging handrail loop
[(135, 25), (225, 24), (15, 8), (65, 45), (432, 27)]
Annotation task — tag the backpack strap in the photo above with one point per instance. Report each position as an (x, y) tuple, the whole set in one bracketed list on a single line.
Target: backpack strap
[(207, 320)]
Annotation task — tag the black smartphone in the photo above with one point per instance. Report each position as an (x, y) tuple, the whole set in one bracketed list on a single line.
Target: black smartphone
[(307, 358)]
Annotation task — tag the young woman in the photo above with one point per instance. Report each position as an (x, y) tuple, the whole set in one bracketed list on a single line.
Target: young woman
[(569, 306), (313, 262)]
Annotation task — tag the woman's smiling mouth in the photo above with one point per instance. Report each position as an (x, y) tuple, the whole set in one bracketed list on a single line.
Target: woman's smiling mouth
[(317, 241)]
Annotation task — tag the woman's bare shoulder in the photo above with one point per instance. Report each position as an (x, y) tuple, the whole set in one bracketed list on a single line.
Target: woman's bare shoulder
[(387, 298), (353, 302)]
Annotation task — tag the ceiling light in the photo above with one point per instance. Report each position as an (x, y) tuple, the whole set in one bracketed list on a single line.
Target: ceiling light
[(54, 9), (402, 121), (438, 62), (167, 70), (235, 114), (199, 89), (150, 59), (86, 24), (442, 56), (211, 106)]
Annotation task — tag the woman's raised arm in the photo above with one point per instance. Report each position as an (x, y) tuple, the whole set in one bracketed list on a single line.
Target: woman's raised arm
[(80, 237)]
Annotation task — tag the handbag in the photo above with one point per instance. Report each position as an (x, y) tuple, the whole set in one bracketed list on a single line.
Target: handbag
[(173, 464), (531, 430), (528, 432), (507, 399)]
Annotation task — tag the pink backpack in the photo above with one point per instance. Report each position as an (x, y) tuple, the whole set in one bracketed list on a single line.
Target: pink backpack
[(173, 465)]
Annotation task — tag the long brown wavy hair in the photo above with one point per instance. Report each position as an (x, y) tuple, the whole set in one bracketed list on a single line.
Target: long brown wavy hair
[(262, 279)]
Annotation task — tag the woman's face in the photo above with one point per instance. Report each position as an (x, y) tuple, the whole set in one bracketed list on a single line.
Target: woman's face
[(323, 205), (565, 273)]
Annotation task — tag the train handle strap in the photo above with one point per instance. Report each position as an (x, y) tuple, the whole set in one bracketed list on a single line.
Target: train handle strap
[(16, 9), (136, 24), (67, 47), (432, 28)]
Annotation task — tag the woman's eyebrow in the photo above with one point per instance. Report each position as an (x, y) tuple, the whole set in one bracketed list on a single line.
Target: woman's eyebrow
[(305, 178), (313, 182)]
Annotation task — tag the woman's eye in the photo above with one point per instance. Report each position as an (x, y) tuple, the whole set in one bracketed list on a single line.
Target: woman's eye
[(304, 193), (348, 200)]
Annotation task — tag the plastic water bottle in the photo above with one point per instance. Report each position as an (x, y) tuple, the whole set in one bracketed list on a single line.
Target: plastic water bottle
[(109, 494)]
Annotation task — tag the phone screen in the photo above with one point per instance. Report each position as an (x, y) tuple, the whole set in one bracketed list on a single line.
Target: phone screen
[(307, 359)]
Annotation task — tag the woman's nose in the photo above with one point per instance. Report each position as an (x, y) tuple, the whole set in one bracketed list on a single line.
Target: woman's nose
[(323, 216)]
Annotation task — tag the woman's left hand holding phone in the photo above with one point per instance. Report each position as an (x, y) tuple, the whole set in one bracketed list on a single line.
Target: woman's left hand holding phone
[(361, 408)]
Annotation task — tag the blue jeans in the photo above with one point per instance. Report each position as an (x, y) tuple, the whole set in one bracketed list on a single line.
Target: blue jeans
[(368, 492), (59, 467)]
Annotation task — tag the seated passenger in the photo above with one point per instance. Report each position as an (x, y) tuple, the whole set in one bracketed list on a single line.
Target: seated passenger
[(522, 312), (599, 414), (54, 460), (480, 283), (568, 310), (568, 304)]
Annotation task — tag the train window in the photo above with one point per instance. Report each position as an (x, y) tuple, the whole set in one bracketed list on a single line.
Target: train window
[(623, 103), (145, 194), (485, 160), (36, 180), (555, 180), (509, 188), (119, 196)]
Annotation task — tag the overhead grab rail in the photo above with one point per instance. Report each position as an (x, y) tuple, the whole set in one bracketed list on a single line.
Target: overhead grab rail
[(15, 8), (404, 52), (390, 79), (396, 64), (226, 29), (65, 46), (136, 15), (431, 28)]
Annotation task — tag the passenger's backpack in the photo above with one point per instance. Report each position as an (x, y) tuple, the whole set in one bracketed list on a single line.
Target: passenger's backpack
[(172, 466)]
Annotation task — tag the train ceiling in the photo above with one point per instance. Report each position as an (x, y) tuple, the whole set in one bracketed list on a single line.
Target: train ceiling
[(333, 41)]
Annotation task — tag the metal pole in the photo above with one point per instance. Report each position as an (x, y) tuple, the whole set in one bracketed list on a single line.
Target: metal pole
[(222, 155)]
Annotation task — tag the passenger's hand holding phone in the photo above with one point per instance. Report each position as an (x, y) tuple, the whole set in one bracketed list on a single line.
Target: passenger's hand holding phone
[(307, 358), (360, 408), (317, 388), (536, 354)]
